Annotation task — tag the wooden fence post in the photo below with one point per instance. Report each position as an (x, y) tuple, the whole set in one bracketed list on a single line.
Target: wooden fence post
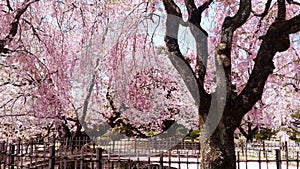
[(259, 158), (1, 152), (179, 165), (286, 153), (238, 160), (278, 159), (161, 161), (52, 157), (135, 145), (264, 149), (18, 152), (170, 158), (31, 151), (12, 156), (187, 160), (81, 159), (149, 162), (297, 160), (99, 158)]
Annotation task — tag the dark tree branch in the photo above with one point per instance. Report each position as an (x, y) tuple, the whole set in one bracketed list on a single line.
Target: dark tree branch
[(250, 132), (285, 27), (14, 26), (262, 15), (194, 12), (281, 14), (191, 7), (274, 41), (230, 24), (171, 8), (243, 131), (297, 89), (205, 5), (200, 36), (33, 29), (182, 65), (241, 16), (8, 5)]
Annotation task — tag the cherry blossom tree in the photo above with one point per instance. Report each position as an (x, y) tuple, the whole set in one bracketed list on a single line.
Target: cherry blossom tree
[(70, 65), (260, 49)]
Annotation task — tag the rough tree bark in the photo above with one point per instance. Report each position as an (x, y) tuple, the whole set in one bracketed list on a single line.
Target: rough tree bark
[(218, 151)]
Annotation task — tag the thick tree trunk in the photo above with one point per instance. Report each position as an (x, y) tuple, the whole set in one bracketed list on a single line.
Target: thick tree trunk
[(219, 151)]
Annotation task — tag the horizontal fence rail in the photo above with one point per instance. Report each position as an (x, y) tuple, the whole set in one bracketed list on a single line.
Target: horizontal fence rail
[(170, 153)]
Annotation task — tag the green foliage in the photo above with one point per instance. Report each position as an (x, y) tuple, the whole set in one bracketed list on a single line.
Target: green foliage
[(236, 136), (151, 133), (264, 134), (194, 134), (297, 140), (261, 136), (296, 115)]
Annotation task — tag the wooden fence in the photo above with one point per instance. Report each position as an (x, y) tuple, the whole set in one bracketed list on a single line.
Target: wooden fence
[(82, 153), (267, 155)]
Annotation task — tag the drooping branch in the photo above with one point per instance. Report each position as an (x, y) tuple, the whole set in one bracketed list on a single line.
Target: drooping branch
[(14, 26)]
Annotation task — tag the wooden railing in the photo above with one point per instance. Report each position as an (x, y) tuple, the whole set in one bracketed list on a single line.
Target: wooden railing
[(85, 153)]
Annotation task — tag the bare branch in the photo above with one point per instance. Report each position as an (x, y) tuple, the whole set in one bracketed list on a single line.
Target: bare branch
[(294, 86), (8, 5)]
